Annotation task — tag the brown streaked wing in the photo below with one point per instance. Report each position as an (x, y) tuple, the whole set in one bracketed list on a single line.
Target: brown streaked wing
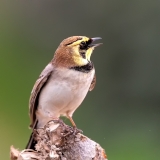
[(93, 83), (45, 74)]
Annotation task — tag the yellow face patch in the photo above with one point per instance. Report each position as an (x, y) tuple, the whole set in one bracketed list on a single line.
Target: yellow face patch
[(89, 53), (85, 39), (76, 55)]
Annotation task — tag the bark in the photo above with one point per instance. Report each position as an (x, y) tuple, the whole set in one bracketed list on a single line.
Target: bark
[(57, 141)]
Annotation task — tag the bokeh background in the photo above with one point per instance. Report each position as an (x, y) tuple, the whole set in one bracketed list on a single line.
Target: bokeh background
[(123, 111)]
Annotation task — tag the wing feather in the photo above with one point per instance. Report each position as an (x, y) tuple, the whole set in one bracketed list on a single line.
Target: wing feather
[(33, 102), (93, 83)]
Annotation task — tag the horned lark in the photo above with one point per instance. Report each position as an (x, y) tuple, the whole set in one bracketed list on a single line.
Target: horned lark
[(64, 83)]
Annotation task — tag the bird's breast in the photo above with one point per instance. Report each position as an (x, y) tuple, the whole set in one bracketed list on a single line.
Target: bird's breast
[(64, 91)]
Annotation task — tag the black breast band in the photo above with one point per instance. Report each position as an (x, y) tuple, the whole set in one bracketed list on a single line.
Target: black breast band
[(86, 68)]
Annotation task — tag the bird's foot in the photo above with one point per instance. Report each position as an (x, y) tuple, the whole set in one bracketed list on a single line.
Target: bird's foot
[(72, 131), (76, 130)]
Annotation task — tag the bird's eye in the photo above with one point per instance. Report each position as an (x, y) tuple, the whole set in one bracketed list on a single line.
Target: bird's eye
[(83, 43)]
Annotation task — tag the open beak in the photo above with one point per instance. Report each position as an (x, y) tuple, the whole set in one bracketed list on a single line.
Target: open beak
[(93, 40)]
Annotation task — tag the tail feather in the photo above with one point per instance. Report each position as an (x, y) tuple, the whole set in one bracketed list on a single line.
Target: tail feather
[(32, 142)]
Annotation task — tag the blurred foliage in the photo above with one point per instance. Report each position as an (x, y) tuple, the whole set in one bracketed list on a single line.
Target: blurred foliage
[(123, 112)]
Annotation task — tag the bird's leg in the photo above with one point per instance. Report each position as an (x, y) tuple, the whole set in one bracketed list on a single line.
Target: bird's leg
[(71, 120), (76, 130)]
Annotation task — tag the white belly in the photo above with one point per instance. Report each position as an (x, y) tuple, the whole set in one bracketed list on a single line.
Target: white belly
[(63, 93)]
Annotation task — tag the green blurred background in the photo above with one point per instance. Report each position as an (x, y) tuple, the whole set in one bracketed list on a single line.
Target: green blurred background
[(123, 111)]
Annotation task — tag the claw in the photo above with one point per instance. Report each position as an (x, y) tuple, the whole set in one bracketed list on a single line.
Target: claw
[(76, 130)]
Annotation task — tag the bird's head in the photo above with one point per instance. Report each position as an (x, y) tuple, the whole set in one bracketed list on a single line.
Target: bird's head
[(75, 51)]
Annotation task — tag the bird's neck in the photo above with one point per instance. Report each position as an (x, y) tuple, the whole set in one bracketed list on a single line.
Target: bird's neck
[(85, 68)]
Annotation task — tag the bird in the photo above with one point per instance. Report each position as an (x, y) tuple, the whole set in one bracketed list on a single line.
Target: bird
[(64, 83)]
